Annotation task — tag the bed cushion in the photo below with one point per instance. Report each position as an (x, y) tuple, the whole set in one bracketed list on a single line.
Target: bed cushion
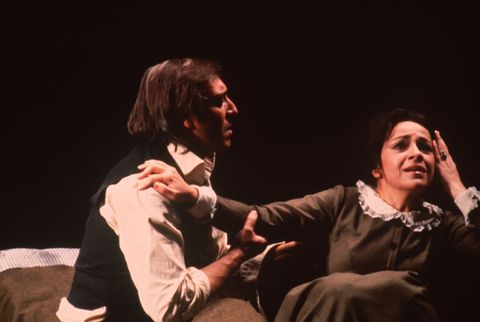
[(33, 293)]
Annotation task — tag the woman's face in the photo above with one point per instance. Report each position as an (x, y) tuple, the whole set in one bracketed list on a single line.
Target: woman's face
[(408, 163)]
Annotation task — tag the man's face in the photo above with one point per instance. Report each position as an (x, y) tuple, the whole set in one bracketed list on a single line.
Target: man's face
[(212, 127)]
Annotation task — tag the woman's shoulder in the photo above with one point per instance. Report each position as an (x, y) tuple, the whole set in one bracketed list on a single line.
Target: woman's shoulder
[(338, 196), (453, 219)]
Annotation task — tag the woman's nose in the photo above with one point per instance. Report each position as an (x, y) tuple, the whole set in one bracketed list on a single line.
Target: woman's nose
[(415, 152)]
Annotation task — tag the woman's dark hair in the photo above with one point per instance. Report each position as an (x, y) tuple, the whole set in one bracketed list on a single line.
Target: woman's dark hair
[(169, 93), (380, 128)]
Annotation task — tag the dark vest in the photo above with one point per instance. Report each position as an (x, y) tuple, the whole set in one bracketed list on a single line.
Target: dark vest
[(101, 275)]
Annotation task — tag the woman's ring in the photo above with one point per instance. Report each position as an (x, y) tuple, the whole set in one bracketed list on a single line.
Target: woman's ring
[(443, 156)]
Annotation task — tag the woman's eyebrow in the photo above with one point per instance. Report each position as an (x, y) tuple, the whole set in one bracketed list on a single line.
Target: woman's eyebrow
[(425, 140), (402, 137)]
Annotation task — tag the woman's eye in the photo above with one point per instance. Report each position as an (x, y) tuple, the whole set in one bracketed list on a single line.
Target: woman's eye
[(425, 148)]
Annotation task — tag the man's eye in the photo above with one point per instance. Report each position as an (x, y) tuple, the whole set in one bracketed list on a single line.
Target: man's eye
[(219, 101)]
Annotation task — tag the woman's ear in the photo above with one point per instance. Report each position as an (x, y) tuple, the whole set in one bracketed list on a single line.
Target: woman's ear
[(377, 173)]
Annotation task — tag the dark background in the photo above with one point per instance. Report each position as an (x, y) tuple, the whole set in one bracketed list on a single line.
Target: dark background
[(305, 78)]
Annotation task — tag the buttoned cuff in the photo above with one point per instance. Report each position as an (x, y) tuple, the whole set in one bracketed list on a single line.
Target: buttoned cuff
[(205, 206), (467, 201)]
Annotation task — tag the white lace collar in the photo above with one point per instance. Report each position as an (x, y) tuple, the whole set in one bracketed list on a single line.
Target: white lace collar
[(376, 207)]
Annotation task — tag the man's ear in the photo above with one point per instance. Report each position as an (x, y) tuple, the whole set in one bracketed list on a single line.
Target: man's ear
[(377, 173), (188, 124)]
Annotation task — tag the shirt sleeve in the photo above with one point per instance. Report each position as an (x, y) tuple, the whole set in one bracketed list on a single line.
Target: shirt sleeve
[(151, 241), (205, 206), (69, 313)]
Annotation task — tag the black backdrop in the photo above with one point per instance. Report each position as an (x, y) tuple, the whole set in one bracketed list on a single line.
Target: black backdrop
[(305, 78)]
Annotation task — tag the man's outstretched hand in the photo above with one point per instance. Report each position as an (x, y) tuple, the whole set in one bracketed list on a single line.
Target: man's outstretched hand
[(251, 243)]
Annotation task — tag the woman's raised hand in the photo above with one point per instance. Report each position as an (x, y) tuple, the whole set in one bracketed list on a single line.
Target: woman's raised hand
[(446, 168)]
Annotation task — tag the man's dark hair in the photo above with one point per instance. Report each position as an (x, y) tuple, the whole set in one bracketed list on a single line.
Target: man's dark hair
[(171, 92)]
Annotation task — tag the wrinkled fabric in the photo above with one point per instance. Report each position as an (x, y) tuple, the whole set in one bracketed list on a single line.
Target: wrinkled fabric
[(376, 297)]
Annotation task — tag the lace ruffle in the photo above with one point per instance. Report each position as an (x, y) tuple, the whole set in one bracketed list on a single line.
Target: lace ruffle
[(376, 207), (473, 194), (468, 201)]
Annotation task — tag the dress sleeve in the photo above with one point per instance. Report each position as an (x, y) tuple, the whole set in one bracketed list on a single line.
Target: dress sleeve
[(296, 219), (464, 231), (151, 241), (230, 215)]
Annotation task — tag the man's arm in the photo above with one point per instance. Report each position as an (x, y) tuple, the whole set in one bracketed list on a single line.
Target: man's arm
[(250, 245), (152, 244)]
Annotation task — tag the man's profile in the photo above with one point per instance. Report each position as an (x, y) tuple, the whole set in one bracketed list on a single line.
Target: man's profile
[(143, 258)]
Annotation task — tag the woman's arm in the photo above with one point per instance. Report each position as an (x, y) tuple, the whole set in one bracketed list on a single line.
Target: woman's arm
[(467, 200), (295, 219), (464, 235)]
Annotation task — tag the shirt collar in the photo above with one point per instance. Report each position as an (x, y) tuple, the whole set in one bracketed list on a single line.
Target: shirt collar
[(196, 170), (374, 206)]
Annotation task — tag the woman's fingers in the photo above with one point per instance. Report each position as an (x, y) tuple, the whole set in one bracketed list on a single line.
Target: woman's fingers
[(446, 168), (441, 149), (149, 180), (152, 166)]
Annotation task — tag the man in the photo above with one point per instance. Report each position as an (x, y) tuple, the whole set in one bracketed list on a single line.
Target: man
[(142, 257)]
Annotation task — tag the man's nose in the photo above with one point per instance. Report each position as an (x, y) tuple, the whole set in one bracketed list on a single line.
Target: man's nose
[(232, 110)]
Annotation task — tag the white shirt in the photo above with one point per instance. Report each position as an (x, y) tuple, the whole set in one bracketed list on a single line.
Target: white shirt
[(152, 243)]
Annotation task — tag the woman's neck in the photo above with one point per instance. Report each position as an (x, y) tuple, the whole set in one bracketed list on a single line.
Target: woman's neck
[(402, 200)]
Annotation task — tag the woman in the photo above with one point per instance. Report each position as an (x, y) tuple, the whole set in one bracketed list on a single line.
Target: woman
[(383, 242)]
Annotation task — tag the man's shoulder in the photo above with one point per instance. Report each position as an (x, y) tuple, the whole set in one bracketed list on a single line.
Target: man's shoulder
[(129, 165), (125, 204), (138, 155), (126, 191)]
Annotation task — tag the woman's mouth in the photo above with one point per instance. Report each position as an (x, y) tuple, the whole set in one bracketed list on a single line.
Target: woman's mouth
[(417, 169)]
